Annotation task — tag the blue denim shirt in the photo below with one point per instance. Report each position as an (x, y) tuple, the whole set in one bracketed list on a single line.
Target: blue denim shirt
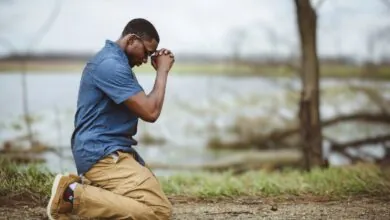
[(103, 124)]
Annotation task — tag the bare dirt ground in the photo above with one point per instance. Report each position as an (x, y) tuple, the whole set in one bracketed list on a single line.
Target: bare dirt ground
[(243, 208)]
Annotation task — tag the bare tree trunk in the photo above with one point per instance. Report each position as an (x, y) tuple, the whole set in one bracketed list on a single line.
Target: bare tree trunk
[(35, 41), (26, 111), (23, 64), (309, 114)]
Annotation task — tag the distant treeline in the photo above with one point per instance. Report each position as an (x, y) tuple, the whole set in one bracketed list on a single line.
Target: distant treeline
[(190, 58), (47, 57)]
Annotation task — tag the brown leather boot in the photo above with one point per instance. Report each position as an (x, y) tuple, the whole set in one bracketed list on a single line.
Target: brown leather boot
[(57, 205)]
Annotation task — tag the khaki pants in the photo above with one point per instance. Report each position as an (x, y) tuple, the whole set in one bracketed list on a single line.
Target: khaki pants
[(121, 188)]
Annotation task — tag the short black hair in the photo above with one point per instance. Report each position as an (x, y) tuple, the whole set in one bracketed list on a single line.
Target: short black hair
[(141, 27)]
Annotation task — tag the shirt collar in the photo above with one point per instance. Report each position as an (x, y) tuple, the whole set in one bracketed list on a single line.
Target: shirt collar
[(117, 49)]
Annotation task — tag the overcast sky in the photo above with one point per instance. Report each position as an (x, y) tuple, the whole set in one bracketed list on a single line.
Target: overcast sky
[(202, 26)]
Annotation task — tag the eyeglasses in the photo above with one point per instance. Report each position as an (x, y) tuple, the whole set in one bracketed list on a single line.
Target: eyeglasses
[(147, 53)]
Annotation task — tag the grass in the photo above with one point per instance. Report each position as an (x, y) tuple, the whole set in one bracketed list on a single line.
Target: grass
[(210, 69), (331, 182), (31, 182), (334, 182)]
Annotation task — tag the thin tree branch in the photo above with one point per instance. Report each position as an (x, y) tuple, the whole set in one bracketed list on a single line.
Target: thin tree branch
[(278, 137), (357, 143), (386, 3), (376, 97), (363, 116), (319, 4)]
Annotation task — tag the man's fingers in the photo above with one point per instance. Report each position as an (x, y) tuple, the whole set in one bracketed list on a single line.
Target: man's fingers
[(163, 51)]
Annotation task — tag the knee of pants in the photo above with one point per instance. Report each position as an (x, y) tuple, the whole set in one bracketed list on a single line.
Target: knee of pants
[(165, 211)]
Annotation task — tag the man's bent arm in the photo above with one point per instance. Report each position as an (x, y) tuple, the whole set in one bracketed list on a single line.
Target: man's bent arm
[(148, 107)]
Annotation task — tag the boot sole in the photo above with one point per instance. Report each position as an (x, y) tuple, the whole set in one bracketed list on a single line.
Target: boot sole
[(53, 192)]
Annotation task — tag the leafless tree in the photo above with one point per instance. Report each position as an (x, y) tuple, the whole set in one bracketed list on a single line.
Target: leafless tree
[(309, 114), (42, 31), (237, 37)]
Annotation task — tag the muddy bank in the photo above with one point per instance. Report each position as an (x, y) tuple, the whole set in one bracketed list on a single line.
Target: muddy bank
[(243, 208)]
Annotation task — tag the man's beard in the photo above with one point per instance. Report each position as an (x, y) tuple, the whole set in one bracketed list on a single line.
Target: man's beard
[(129, 59)]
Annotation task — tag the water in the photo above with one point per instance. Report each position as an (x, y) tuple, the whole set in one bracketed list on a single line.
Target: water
[(196, 108)]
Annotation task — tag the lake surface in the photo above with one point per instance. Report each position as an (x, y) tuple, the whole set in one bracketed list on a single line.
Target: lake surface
[(196, 108)]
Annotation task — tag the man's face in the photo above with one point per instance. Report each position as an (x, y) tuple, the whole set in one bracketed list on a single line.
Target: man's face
[(138, 50)]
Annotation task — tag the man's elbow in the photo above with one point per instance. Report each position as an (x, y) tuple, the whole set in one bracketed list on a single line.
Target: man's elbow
[(150, 120), (146, 109), (151, 117)]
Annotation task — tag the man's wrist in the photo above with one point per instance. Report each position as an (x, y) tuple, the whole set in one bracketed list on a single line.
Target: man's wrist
[(162, 71)]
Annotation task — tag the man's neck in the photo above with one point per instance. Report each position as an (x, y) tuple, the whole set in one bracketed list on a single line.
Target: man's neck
[(122, 44)]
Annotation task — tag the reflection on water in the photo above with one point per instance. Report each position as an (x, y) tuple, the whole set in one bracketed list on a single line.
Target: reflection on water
[(196, 108)]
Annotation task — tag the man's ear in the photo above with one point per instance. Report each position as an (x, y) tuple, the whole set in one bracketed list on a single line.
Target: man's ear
[(130, 38)]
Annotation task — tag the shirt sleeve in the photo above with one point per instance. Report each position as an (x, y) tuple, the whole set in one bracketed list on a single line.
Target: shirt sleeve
[(116, 80)]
